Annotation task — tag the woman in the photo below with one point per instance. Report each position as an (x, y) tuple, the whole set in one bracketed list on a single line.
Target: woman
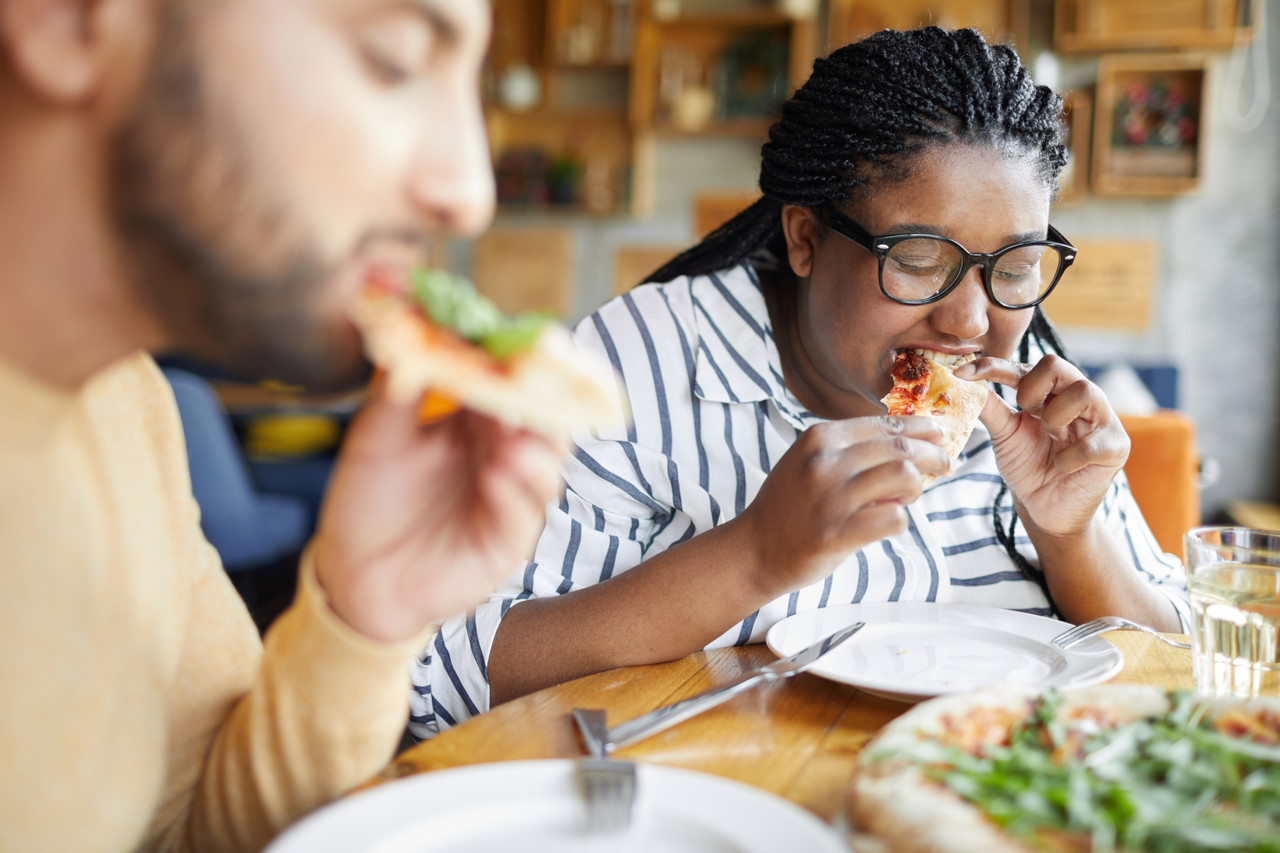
[(763, 476)]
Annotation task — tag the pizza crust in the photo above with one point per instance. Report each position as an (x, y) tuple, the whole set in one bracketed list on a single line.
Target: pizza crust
[(891, 800), (551, 388)]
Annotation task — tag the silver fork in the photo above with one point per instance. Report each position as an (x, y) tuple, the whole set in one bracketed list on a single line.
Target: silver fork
[(1107, 623), (609, 785)]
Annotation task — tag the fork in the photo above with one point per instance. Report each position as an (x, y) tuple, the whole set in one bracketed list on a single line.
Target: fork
[(609, 785), (1107, 623)]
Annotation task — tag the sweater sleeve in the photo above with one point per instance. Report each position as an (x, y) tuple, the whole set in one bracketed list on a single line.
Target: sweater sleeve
[(259, 737)]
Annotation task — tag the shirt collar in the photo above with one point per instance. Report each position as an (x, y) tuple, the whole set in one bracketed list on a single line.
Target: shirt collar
[(737, 359)]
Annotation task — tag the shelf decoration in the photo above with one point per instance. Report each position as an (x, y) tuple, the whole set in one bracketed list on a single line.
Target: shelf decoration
[(1148, 139), (751, 75)]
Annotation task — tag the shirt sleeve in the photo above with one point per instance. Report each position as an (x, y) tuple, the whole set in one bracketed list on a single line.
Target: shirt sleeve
[(255, 748), (1161, 570), (582, 543), (622, 502)]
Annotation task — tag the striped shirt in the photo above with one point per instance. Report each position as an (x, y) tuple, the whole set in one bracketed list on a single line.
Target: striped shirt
[(712, 418)]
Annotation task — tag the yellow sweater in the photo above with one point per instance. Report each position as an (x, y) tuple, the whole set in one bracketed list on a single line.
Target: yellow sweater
[(139, 709)]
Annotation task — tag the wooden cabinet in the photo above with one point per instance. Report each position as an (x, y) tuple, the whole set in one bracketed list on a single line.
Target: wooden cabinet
[(720, 71), (556, 87), (577, 90)]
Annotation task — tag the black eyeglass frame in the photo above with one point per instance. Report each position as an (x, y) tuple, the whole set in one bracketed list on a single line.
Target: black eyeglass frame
[(881, 246)]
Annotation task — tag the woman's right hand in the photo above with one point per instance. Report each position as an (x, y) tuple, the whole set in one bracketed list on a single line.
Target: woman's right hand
[(840, 487)]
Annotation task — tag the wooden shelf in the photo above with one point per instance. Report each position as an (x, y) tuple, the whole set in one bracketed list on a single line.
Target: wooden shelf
[(1104, 25), (605, 111), (684, 58), (606, 65), (721, 127), (730, 19)]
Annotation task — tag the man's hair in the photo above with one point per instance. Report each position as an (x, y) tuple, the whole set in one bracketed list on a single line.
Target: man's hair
[(865, 111)]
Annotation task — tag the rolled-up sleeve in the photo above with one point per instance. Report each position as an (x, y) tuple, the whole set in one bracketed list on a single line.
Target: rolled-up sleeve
[(1161, 570)]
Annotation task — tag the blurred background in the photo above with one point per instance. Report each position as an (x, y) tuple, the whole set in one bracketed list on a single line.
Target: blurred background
[(624, 130)]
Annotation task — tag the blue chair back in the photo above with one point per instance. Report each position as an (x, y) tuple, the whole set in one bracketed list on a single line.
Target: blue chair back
[(248, 528)]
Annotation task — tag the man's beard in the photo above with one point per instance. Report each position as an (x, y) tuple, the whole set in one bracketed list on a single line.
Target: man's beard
[(228, 272)]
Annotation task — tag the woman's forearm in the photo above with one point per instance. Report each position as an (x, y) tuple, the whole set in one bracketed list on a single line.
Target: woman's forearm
[(665, 608), (1090, 574)]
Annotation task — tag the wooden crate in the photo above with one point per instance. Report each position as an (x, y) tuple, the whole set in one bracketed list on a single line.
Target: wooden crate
[(1121, 168), (632, 264), (713, 208), (525, 269), (1109, 286), (1097, 25)]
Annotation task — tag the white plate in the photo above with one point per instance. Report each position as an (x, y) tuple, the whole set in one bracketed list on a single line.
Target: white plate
[(912, 651), (532, 806)]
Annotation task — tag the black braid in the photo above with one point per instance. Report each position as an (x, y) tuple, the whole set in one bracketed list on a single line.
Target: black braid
[(1046, 338), (865, 111)]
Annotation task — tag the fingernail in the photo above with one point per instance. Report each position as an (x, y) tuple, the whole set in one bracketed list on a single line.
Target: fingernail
[(965, 371)]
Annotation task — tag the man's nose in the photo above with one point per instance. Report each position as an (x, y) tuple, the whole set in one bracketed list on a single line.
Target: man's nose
[(452, 181)]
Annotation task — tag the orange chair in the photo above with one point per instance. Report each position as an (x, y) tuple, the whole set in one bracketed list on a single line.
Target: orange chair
[(1163, 471)]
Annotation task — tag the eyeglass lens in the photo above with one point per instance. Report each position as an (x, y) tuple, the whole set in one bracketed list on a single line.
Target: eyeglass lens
[(918, 268)]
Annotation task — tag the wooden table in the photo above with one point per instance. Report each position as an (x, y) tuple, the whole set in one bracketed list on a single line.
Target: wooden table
[(797, 738)]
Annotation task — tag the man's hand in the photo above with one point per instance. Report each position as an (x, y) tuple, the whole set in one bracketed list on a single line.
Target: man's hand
[(421, 522)]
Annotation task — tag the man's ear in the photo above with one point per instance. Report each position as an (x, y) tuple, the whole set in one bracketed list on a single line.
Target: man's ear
[(59, 50), (801, 227)]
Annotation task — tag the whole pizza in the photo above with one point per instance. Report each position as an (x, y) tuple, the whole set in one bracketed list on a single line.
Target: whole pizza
[(1111, 767)]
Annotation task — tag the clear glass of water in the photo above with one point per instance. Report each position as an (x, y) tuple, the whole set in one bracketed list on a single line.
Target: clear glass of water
[(1233, 577)]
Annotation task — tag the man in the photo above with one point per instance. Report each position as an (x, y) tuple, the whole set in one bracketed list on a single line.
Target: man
[(216, 176)]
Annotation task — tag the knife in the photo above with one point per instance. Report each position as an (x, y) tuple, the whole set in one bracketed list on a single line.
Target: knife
[(667, 716)]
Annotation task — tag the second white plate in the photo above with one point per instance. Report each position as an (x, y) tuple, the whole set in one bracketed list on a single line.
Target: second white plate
[(911, 651), (536, 807)]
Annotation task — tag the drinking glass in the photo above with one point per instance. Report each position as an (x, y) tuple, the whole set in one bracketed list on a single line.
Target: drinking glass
[(1233, 577)]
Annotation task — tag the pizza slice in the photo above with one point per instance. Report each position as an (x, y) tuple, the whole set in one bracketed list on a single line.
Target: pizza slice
[(924, 383), (1111, 767), (442, 342)]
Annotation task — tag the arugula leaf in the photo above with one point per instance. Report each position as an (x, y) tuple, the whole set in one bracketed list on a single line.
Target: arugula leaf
[(452, 302), (1168, 784)]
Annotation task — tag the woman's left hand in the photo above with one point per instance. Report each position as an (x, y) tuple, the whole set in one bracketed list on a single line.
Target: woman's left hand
[(1060, 451)]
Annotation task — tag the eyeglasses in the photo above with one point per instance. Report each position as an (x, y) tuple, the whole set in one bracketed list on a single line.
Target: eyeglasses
[(916, 269)]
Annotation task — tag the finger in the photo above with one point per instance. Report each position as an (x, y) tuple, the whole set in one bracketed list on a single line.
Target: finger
[(384, 422), (899, 481), (1000, 419), (1045, 380), (1075, 404), (1108, 448), (994, 369), (837, 435), (879, 521), (927, 457), (492, 442), (521, 477)]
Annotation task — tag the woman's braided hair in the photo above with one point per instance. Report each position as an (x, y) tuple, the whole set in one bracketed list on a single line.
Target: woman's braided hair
[(862, 114)]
